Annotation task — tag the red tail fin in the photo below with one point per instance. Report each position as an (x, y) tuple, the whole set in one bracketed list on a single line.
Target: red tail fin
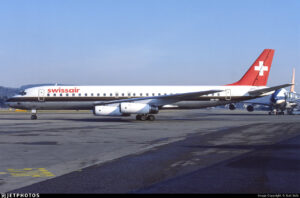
[(258, 73)]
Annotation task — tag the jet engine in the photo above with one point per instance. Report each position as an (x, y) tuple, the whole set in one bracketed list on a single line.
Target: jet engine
[(102, 110), (137, 108), (232, 107), (250, 108)]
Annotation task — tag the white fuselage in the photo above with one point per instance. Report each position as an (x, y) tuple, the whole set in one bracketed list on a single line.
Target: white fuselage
[(85, 97)]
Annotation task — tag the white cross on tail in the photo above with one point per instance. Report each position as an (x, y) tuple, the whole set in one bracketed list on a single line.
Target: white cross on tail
[(261, 68)]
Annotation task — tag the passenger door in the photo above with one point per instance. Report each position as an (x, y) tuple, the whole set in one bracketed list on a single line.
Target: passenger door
[(41, 95), (227, 94)]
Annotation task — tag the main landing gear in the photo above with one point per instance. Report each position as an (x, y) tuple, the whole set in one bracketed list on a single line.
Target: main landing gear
[(33, 114), (144, 117)]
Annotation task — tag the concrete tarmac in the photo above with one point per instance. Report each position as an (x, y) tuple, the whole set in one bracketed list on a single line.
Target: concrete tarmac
[(192, 151)]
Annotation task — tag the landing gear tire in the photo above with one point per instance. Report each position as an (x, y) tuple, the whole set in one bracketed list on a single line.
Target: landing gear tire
[(151, 117), (33, 117), (145, 117), (141, 117), (138, 117)]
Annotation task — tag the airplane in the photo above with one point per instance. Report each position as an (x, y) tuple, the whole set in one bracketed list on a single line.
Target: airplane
[(144, 101), (278, 102)]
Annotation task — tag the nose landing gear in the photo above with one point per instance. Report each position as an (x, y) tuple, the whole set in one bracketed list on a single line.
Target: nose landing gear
[(33, 114)]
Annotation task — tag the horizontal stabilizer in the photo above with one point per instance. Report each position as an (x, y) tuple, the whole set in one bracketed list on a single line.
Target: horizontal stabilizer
[(266, 90)]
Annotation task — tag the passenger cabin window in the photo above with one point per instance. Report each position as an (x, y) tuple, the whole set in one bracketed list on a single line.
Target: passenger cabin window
[(54, 94), (61, 94), (104, 94), (67, 94), (48, 94), (153, 94), (79, 94), (92, 94), (98, 94), (73, 94), (128, 94), (86, 94), (141, 94), (111, 94)]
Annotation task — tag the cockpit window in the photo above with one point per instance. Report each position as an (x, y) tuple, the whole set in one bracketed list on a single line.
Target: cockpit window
[(22, 93)]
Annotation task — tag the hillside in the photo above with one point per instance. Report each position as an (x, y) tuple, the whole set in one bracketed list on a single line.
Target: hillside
[(6, 92)]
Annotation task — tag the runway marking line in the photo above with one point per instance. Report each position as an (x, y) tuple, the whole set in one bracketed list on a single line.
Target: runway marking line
[(28, 172)]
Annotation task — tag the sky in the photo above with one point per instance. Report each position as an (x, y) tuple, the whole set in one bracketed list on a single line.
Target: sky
[(146, 42)]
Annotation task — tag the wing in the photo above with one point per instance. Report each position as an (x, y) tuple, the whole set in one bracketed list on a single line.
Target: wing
[(266, 90), (162, 100)]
